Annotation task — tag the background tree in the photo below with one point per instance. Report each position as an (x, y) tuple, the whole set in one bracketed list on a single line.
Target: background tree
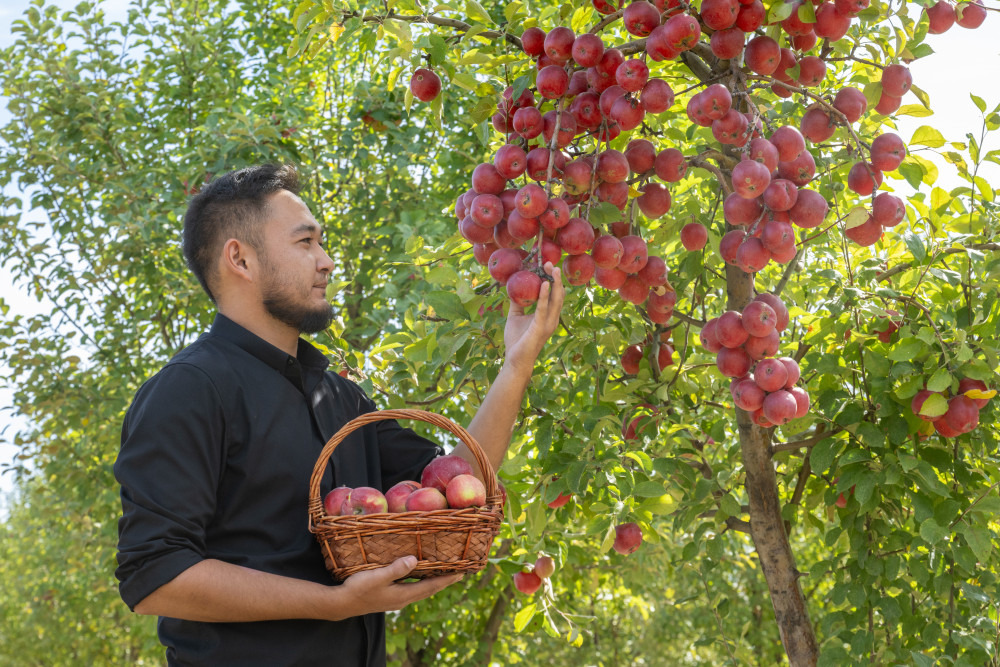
[(114, 125)]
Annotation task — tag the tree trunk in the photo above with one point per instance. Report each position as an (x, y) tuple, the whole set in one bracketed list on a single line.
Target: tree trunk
[(767, 529)]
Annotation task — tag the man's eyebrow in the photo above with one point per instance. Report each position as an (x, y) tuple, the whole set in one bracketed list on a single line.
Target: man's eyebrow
[(307, 227)]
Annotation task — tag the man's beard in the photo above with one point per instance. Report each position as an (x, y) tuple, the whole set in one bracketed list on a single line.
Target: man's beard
[(279, 302)]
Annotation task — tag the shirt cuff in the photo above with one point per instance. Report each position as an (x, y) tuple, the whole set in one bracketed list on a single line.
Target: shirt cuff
[(155, 573)]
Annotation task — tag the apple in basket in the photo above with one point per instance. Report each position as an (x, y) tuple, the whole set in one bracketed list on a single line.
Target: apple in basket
[(426, 499), (333, 500), (465, 491), (397, 495), (364, 500), (441, 470)]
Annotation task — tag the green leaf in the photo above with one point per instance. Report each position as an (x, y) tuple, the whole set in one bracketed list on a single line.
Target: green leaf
[(980, 541), (915, 244), (730, 505), (477, 13), (807, 14), (925, 135), (934, 405), (413, 244), (780, 11), (912, 172), (940, 381), (870, 434), (464, 80), (447, 305), (604, 214), (906, 349), (648, 490), (872, 93), (930, 170), (989, 505), (524, 616), (978, 101), (932, 532), (823, 454)]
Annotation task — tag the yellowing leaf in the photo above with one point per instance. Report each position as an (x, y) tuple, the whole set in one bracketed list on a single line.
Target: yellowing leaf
[(925, 135), (524, 616), (398, 29), (914, 110), (979, 393), (464, 80), (856, 217)]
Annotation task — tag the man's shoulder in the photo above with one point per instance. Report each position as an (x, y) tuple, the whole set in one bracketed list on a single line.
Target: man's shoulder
[(203, 362)]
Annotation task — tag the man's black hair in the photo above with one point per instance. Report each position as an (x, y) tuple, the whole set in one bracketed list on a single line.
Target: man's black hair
[(233, 206)]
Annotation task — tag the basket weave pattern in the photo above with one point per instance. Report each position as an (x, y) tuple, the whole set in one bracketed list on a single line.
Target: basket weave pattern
[(444, 541)]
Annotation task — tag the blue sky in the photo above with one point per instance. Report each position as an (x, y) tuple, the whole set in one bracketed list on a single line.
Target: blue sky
[(965, 61)]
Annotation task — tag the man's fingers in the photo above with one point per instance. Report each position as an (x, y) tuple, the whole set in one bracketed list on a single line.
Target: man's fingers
[(398, 569), (428, 587)]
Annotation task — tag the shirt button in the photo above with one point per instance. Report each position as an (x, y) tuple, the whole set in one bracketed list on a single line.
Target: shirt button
[(290, 361)]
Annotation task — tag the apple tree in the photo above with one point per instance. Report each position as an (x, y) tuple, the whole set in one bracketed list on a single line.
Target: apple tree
[(860, 529), (615, 135)]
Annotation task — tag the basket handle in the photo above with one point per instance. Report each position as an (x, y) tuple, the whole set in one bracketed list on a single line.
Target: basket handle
[(316, 504)]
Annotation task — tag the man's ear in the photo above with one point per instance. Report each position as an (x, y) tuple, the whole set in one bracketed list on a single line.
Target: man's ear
[(239, 260)]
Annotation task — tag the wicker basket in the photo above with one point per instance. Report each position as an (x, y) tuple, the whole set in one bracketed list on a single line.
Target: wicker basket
[(444, 541)]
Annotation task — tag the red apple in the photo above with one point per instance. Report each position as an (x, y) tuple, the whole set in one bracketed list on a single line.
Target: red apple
[(364, 500), (527, 582), (426, 499), (544, 567), (397, 495), (963, 414), (523, 288), (334, 499), (917, 404), (442, 470), (628, 537), (968, 384), (465, 491), (694, 236), (561, 500), (425, 84), (779, 407)]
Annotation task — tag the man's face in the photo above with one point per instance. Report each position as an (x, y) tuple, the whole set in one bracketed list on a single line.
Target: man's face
[(295, 267)]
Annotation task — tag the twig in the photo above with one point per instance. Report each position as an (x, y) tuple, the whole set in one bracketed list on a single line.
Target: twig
[(805, 442)]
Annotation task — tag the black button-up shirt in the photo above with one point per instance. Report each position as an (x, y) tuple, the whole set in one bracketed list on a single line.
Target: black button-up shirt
[(217, 452)]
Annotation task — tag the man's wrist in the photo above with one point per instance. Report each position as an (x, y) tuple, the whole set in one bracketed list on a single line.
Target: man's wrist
[(518, 370)]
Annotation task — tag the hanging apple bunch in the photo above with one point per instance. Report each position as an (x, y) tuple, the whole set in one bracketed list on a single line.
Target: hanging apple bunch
[(595, 93), (956, 415), (534, 203)]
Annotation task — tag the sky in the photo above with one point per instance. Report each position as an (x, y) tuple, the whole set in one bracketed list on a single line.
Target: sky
[(965, 61)]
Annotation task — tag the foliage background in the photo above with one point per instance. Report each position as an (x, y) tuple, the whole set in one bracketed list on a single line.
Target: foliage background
[(112, 123)]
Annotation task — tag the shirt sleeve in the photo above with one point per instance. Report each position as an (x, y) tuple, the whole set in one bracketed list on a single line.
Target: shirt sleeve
[(168, 467)]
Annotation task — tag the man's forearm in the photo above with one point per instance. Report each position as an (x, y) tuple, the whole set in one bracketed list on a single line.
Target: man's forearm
[(216, 591), (494, 421)]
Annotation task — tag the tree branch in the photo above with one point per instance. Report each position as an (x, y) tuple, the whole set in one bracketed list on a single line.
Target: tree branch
[(805, 442), (461, 26), (899, 268)]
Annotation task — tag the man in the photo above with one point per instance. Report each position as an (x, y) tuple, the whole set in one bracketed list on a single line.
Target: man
[(218, 447)]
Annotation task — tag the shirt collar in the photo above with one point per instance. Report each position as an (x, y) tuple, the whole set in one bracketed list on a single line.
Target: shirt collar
[(306, 355)]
